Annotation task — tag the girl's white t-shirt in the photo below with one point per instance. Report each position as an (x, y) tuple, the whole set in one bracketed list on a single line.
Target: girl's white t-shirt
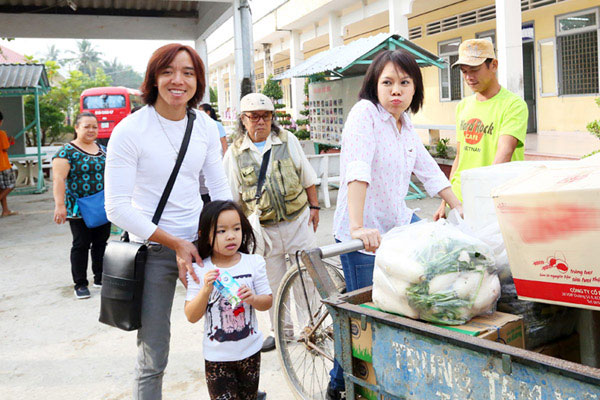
[(229, 335)]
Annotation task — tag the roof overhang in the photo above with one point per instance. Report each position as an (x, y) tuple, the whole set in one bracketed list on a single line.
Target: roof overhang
[(23, 79), (354, 58), (113, 19)]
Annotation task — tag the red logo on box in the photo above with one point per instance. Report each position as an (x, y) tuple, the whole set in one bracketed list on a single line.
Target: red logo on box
[(558, 262)]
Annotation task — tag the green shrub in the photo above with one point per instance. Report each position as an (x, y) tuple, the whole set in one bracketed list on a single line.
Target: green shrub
[(441, 148), (302, 134), (304, 112), (279, 106), (594, 128), (302, 121)]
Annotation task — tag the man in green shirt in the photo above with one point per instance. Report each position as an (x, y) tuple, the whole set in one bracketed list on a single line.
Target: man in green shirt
[(492, 123)]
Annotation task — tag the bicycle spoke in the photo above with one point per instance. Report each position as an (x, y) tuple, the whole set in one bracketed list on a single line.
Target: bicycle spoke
[(305, 348)]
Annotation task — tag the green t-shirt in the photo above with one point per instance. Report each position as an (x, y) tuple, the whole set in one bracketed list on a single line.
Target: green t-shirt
[(479, 125)]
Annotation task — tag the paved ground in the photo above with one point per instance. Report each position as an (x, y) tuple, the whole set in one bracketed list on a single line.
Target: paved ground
[(52, 346)]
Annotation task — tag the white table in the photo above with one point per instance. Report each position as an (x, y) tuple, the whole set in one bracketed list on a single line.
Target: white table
[(27, 169)]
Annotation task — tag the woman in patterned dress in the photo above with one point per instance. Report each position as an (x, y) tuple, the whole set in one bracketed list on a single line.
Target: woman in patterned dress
[(78, 169)]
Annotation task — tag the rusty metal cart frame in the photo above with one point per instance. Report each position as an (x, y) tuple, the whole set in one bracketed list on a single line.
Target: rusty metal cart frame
[(416, 360)]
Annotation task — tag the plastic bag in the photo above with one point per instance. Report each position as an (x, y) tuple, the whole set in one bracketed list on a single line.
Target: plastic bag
[(435, 272), (491, 235)]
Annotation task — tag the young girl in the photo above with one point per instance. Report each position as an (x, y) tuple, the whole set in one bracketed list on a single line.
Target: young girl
[(232, 341)]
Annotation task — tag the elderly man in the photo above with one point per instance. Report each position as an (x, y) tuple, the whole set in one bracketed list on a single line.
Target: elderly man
[(289, 201)]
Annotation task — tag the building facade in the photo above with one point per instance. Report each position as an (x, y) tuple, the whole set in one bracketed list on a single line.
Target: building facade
[(556, 70)]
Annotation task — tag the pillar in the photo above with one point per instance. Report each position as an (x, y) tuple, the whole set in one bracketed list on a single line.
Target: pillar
[(398, 20), (267, 62), (222, 104), (244, 47), (509, 45), (200, 45), (335, 31), (296, 57)]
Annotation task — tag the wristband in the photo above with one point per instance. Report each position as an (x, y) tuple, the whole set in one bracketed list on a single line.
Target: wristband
[(314, 207)]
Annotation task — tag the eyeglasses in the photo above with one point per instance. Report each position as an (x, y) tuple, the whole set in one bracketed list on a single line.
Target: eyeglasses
[(255, 117)]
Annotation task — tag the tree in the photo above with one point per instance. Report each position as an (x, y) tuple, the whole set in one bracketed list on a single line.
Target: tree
[(272, 89), (52, 54), (86, 57), (594, 128), (52, 120), (60, 103), (214, 96), (122, 75)]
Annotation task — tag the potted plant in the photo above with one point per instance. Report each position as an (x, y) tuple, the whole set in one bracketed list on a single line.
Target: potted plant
[(443, 154)]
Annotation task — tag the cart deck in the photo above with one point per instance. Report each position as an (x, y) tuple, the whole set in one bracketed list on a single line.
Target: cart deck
[(416, 360)]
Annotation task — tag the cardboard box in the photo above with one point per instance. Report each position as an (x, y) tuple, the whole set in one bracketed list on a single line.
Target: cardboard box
[(365, 371), (550, 222), (500, 327), (362, 345)]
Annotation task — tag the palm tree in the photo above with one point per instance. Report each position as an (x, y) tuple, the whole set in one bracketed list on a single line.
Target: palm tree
[(86, 58), (52, 54)]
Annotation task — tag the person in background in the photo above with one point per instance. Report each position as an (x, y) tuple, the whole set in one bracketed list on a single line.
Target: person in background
[(7, 176), (78, 170), (208, 109), (491, 125), (380, 152), (141, 155), (288, 204)]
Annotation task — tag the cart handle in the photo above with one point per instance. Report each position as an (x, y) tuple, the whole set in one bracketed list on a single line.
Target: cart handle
[(336, 249)]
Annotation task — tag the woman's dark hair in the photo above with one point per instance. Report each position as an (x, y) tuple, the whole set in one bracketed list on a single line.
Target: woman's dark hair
[(160, 60), (210, 109), (208, 227), (401, 60), (79, 117)]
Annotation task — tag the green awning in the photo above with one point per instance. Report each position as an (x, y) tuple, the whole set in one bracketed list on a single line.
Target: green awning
[(354, 58)]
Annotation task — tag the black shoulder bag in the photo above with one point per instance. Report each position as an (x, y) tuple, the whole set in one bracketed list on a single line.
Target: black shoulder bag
[(124, 262)]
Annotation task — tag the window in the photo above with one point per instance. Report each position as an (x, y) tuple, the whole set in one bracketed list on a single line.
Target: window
[(489, 35), (104, 101), (450, 78), (577, 52)]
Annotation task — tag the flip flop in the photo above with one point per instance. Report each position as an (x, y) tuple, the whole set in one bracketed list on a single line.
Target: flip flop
[(10, 214)]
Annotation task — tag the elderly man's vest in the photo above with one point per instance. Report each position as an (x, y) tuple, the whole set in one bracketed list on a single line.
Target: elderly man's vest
[(283, 196)]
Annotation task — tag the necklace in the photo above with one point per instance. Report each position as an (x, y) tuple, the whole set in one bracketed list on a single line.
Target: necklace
[(166, 135)]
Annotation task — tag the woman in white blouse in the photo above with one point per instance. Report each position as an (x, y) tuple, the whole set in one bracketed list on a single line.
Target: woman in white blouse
[(380, 151), (141, 155)]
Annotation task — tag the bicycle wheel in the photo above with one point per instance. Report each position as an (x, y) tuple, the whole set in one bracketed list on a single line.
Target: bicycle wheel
[(305, 345)]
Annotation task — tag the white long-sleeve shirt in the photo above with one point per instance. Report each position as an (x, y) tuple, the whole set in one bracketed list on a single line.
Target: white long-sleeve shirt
[(141, 155), (373, 151)]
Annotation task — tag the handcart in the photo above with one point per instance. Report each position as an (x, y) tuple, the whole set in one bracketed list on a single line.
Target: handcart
[(410, 359)]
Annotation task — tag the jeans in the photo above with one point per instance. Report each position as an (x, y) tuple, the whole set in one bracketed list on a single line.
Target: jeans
[(358, 272), (85, 238), (160, 278)]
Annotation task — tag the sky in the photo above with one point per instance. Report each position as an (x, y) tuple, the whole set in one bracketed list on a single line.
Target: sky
[(130, 52), (135, 53)]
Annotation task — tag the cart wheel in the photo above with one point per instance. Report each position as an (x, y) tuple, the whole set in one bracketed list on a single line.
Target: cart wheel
[(305, 345)]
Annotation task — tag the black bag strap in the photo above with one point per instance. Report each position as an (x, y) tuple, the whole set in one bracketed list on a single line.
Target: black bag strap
[(262, 174), (184, 146)]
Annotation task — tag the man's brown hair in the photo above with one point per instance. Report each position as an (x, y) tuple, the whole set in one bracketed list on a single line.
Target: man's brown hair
[(160, 60)]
